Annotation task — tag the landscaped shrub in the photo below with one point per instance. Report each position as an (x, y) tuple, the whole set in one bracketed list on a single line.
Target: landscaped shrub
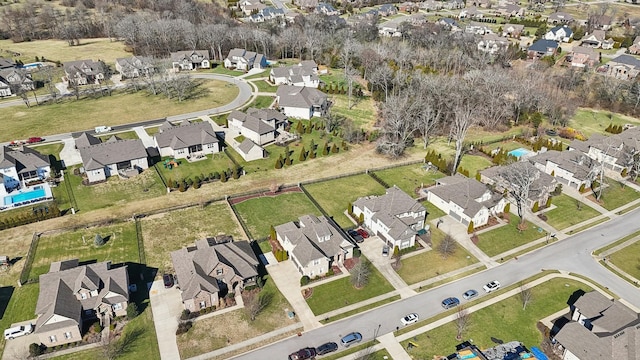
[(279, 162), (325, 149), (557, 191), (272, 233), (330, 272), (183, 327), (535, 207), (470, 228), (303, 154), (182, 187), (361, 219), (132, 311), (548, 204), (624, 172), (98, 241), (581, 188), (171, 184), (185, 314), (97, 328), (334, 148), (304, 280), (356, 252), (223, 177), (36, 349), (216, 175)]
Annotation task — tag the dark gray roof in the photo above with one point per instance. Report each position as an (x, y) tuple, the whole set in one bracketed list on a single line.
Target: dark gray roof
[(24, 159), (185, 135), (542, 45), (85, 139), (501, 174), (252, 123), (574, 162), (190, 55), (100, 155), (626, 60), (86, 67), (7, 63), (268, 114), (464, 192), (246, 145), (300, 96), (567, 30), (135, 62)]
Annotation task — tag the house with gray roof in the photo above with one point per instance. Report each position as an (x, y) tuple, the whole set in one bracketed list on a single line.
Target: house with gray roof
[(13, 80), (250, 151), (598, 39), (539, 189), (190, 60), (512, 30), (21, 166), (624, 67), (560, 18), (570, 168), (134, 66), (241, 59), (599, 328), (187, 140), (465, 199), (301, 102), (559, 33), (83, 72), (542, 48), (609, 149), (259, 125), (249, 6), (304, 73), (209, 270), (266, 14), (394, 217), (314, 244), (7, 63), (101, 160), (326, 9), (72, 294), (387, 10)]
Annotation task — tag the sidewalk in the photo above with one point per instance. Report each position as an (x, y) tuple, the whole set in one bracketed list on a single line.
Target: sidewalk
[(372, 249), (459, 232)]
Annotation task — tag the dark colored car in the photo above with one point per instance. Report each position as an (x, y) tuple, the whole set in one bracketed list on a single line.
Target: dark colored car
[(357, 237), (450, 302), (326, 348), (303, 354), (363, 233), (168, 280)]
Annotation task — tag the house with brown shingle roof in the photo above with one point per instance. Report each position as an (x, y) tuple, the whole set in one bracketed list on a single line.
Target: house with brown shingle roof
[(301, 102), (190, 60), (187, 140), (259, 125), (571, 168), (582, 56), (101, 160), (207, 269), (70, 294), (609, 149)]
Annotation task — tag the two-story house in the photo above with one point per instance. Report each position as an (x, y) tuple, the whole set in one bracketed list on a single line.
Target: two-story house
[(190, 60), (559, 33), (241, 59), (540, 184), (571, 168), (21, 166), (13, 80), (624, 67), (609, 149), (542, 48), (597, 39), (513, 30), (135, 66), (83, 72), (303, 74), (301, 102), (259, 125), (492, 43)]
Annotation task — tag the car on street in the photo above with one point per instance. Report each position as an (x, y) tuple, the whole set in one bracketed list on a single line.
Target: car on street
[(303, 354), (409, 319), (363, 233), (34, 140), (450, 302), (17, 331), (168, 281), (492, 286), (326, 348), (385, 251), (352, 338), (355, 236), (469, 294)]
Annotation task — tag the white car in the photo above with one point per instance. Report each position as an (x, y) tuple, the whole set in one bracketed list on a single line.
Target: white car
[(492, 286), (18, 331), (410, 319)]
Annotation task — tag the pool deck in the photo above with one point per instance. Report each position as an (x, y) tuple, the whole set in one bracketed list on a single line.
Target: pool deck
[(48, 195)]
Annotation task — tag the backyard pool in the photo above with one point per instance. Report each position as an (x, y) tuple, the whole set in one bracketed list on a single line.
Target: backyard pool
[(519, 152), (28, 195)]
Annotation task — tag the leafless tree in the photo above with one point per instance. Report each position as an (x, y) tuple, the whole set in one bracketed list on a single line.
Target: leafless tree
[(463, 319), (526, 295), (631, 158), (382, 77), (464, 117), (255, 303), (399, 114), (361, 273), (350, 74), (182, 85), (520, 181), (448, 246)]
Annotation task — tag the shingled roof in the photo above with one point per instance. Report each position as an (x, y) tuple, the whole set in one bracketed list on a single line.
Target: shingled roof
[(185, 135), (100, 155), (24, 159), (463, 192), (300, 96)]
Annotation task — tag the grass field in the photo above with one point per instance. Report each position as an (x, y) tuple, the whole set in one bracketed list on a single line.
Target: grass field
[(567, 214), (334, 196), (214, 162), (264, 86), (499, 320), (121, 108), (409, 177), (167, 232), (220, 69), (591, 121), (334, 77), (121, 246), (261, 213), (264, 74), (59, 50), (628, 259), (20, 305), (507, 237), (616, 195), (127, 135), (413, 269), (507, 145), (475, 163), (363, 113)]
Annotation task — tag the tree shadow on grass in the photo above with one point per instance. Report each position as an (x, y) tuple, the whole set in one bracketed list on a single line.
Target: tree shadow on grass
[(5, 296)]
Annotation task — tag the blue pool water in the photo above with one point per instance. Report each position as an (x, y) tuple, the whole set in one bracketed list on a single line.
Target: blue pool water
[(37, 192), (518, 152)]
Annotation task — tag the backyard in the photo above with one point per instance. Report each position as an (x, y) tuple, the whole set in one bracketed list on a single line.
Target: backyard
[(260, 102), (507, 237), (567, 212), (363, 112), (628, 259), (409, 177), (475, 163), (59, 50), (590, 121), (335, 195), (499, 320), (264, 86), (21, 305), (126, 135), (218, 162), (616, 195)]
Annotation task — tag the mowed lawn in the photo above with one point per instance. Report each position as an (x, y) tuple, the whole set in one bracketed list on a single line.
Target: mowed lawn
[(340, 293), (218, 162), (475, 163), (20, 305), (567, 213), (170, 231), (121, 246), (616, 195), (59, 50), (264, 86), (433, 212), (590, 121), (628, 259), (507, 237), (121, 108), (261, 213), (413, 268), (505, 320), (334, 196), (409, 177), (362, 113)]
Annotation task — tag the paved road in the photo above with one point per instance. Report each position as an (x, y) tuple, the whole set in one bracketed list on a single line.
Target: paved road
[(572, 254)]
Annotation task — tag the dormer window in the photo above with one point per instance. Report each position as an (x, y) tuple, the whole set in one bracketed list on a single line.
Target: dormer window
[(94, 293), (83, 295), (219, 271)]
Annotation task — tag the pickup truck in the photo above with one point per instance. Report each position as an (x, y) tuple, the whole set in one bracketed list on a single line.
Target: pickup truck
[(102, 129)]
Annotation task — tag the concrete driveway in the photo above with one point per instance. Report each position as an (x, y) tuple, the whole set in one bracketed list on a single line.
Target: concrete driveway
[(372, 249), (166, 306), (18, 348), (69, 154)]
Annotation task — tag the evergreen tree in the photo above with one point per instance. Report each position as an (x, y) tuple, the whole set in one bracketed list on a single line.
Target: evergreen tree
[(98, 241), (223, 177), (325, 149), (334, 148), (303, 154), (279, 162), (470, 228)]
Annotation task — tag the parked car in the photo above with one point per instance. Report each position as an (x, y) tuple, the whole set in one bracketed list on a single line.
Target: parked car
[(450, 302), (35, 139), (492, 286), (363, 233), (355, 236), (410, 319), (168, 280), (385, 251), (352, 338), (17, 331), (326, 348), (469, 294), (303, 354)]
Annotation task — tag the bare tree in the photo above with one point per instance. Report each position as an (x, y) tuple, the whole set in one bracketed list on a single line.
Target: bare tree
[(463, 319), (520, 181), (182, 85), (256, 303), (526, 295), (632, 160), (399, 114), (464, 118), (350, 74), (361, 273), (447, 246)]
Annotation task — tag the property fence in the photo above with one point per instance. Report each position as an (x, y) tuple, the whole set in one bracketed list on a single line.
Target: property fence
[(380, 181), (141, 255), (313, 201), (72, 197), (164, 181), (24, 275), (240, 220)]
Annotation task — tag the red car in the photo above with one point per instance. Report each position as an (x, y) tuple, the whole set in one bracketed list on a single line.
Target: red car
[(35, 139), (303, 354), (363, 233)]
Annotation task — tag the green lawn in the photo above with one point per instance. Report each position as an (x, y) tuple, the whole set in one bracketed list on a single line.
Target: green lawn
[(339, 293), (264, 86), (616, 195), (121, 246), (115, 191), (152, 131), (334, 77), (409, 177), (567, 212), (127, 135), (220, 69), (260, 102), (505, 320), (107, 49), (413, 268), (628, 259), (475, 163), (478, 134), (53, 150), (590, 121), (507, 145), (261, 213), (21, 305), (213, 163), (433, 212), (507, 237), (363, 113), (334, 196), (264, 74)]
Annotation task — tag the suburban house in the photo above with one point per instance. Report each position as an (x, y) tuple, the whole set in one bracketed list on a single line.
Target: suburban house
[(392, 28), (635, 47), (250, 6), (307, 5), (326, 9), (482, 3), (470, 13), (314, 244), (609, 149), (241, 59), (15, 79), (101, 160), (7, 63), (387, 10), (599, 328), (417, 19), (71, 294), (450, 24), (266, 14), (303, 74), (570, 168), (466, 199), (559, 33), (542, 48), (395, 217), (408, 7), (512, 30), (301, 102), (510, 10), (600, 22), (492, 43), (258, 125), (209, 270), (582, 56), (190, 60), (250, 151), (624, 67), (560, 18), (478, 29), (83, 72), (539, 189), (597, 39), (135, 66), (187, 140), (19, 168)]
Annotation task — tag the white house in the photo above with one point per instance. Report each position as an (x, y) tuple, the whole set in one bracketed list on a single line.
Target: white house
[(303, 74), (492, 43), (559, 33), (539, 189), (135, 66), (114, 157), (609, 149), (301, 102), (571, 168), (259, 125), (241, 59), (186, 140), (250, 151), (14, 79), (190, 60), (597, 39), (394, 217), (19, 167)]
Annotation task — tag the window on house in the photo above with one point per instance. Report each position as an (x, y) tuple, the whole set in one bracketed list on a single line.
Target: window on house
[(68, 335), (203, 304), (219, 271), (52, 338), (94, 293), (83, 296), (117, 306), (316, 262)]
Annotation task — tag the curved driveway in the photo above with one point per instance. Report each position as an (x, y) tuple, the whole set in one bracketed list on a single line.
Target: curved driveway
[(572, 254)]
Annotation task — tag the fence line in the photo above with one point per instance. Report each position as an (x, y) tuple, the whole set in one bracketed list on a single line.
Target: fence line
[(141, 254), (380, 181), (313, 201), (240, 220), (164, 181), (67, 185), (24, 274)]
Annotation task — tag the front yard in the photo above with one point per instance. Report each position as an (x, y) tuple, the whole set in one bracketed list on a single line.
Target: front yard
[(567, 212), (628, 259), (507, 237), (264, 86), (616, 195), (409, 177)]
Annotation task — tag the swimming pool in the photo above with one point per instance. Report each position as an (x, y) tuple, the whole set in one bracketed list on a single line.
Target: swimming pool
[(518, 152), (22, 196)]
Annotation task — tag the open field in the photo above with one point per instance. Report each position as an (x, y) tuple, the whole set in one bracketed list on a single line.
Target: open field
[(167, 232), (264, 74), (121, 108), (567, 213), (218, 162), (628, 259), (363, 113), (616, 195), (59, 50), (591, 121), (413, 269), (220, 69), (498, 321), (334, 196), (507, 237), (409, 177)]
